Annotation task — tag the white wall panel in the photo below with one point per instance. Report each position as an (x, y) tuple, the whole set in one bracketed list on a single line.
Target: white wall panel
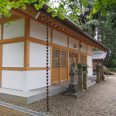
[(36, 79), (73, 42), (13, 55), (90, 49), (83, 47), (38, 30), (38, 55), (90, 65), (14, 29), (14, 80), (60, 38)]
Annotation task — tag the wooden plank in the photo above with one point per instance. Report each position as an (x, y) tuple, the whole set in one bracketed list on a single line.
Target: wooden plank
[(39, 41), (12, 18), (59, 46), (13, 40), (23, 68), (19, 13), (26, 43)]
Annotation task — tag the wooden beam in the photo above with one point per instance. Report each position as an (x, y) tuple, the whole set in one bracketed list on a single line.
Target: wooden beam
[(13, 40), (23, 68), (12, 18), (26, 43), (39, 41), (19, 13)]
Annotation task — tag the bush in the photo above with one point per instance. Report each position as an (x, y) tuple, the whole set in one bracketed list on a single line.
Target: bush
[(112, 69), (112, 63)]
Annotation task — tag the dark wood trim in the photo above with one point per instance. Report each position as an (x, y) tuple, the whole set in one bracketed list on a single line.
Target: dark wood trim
[(13, 40), (26, 43), (23, 68), (19, 13), (39, 41), (12, 18)]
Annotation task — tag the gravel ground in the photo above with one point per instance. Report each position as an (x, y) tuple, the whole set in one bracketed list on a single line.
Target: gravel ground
[(9, 112), (98, 100)]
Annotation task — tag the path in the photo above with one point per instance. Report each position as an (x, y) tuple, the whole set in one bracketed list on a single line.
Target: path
[(98, 100)]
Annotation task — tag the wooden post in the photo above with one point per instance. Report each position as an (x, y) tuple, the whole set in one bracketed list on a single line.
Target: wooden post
[(26, 43), (1, 52)]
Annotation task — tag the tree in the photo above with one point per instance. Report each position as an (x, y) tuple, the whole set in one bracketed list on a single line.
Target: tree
[(88, 14), (65, 7)]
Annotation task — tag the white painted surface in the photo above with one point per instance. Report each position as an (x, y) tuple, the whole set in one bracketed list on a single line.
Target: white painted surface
[(14, 29), (38, 30), (73, 43), (24, 80), (38, 55), (13, 55), (36, 79), (60, 38), (14, 80), (89, 49), (90, 65), (84, 47)]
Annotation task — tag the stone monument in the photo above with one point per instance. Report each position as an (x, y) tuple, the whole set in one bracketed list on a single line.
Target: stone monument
[(80, 76), (72, 88), (84, 76)]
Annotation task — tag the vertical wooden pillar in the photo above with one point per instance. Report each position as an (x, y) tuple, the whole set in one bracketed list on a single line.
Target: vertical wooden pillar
[(26, 43), (68, 77), (79, 52), (1, 53)]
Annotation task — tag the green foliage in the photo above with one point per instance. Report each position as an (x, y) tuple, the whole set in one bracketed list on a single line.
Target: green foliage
[(112, 69), (7, 5), (112, 63), (64, 8)]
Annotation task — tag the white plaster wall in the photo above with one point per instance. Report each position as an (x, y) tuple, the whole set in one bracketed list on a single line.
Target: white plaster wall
[(89, 50), (13, 29), (38, 55), (90, 65), (73, 42), (60, 38), (36, 79), (14, 80), (84, 47), (38, 30), (24, 80), (13, 55)]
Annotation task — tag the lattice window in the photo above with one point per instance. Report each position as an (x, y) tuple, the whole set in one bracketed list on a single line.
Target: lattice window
[(63, 60), (73, 55), (55, 58), (83, 59), (76, 57)]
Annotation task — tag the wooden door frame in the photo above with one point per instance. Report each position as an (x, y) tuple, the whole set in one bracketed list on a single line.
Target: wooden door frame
[(52, 66), (60, 49)]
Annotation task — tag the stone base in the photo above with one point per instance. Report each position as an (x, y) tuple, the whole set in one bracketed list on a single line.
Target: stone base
[(72, 88), (74, 95), (23, 97)]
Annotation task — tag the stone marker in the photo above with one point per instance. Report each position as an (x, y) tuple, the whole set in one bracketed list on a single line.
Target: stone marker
[(72, 88), (98, 73), (84, 76), (80, 76)]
